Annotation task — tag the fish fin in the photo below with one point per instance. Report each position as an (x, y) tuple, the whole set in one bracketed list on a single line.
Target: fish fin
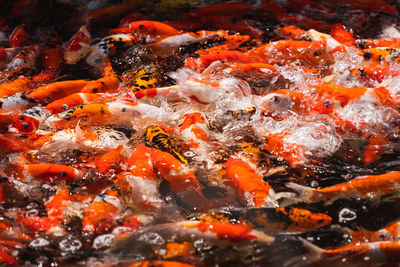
[(302, 193), (391, 198), (79, 133), (313, 254)]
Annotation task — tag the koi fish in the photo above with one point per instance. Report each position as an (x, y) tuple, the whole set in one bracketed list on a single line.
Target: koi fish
[(52, 172), (180, 177), (272, 220), (157, 137), (18, 37), (160, 264), (152, 30), (195, 132), (29, 121), (53, 91), (140, 182), (25, 59), (108, 84), (77, 99), (219, 234), (111, 161), (383, 251), (52, 55), (78, 47), (15, 103), (104, 114), (247, 180), (140, 79), (100, 215), (107, 47), (303, 142), (364, 187), (94, 139)]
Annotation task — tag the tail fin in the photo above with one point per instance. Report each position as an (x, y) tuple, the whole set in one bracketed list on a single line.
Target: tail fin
[(391, 198), (302, 194), (313, 254)]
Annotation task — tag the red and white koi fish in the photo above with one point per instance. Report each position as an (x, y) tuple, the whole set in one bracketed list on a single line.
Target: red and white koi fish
[(29, 121), (303, 141), (140, 182), (18, 37), (78, 47), (198, 89), (196, 134)]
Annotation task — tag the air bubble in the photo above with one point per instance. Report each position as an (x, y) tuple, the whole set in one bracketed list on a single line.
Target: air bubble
[(103, 241), (346, 215)]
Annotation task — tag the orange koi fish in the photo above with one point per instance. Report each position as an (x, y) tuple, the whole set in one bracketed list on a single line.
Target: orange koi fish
[(180, 177), (52, 172), (283, 52), (52, 55), (77, 99), (360, 187), (271, 220), (152, 30), (100, 215), (48, 93), (373, 252), (160, 264), (111, 161), (108, 84), (245, 177)]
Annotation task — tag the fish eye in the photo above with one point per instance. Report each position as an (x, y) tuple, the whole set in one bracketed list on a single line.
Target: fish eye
[(65, 107), (274, 98), (141, 26), (63, 174), (327, 103), (24, 125)]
